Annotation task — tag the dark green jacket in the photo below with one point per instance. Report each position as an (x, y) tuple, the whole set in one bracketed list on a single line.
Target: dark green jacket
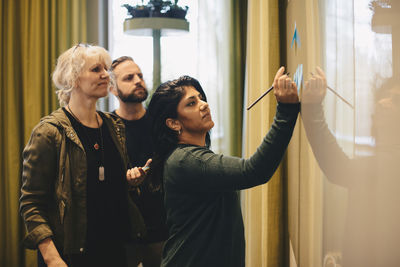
[(201, 199), (53, 192)]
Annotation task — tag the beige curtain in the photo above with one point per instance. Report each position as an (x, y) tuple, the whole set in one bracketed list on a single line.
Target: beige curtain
[(33, 34), (263, 206), (304, 190)]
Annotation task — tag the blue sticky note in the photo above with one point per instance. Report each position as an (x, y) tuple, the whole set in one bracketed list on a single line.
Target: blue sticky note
[(298, 77), (296, 37)]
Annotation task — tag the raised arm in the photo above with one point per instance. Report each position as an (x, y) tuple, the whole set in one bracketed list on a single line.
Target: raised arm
[(199, 169)]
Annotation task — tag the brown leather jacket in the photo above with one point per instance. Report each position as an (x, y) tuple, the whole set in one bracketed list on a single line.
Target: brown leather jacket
[(54, 166)]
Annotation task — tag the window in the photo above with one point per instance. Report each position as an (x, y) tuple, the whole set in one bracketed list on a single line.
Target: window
[(201, 53)]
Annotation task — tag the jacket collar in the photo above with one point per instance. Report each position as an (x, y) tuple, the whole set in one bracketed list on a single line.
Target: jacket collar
[(59, 119)]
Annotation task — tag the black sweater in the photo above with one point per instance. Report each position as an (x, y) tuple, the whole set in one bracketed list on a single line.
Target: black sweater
[(203, 210)]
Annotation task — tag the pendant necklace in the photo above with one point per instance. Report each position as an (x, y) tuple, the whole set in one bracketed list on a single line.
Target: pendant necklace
[(96, 146)]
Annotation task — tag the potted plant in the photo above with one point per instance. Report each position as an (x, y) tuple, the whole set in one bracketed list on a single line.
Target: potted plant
[(383, 16), (176, 11), (138, 11), (159, 8)]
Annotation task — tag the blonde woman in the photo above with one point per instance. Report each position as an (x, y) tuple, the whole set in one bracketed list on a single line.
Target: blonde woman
[(74, 198)]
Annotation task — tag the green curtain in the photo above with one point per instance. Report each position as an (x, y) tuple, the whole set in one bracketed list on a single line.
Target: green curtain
[(237, 69), (33, 34)]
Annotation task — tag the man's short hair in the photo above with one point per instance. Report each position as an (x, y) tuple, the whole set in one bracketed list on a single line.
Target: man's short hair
[(119, 60)]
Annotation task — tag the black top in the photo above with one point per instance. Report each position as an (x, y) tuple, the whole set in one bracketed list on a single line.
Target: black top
[(107, 206), (203, 208), (140, 149)]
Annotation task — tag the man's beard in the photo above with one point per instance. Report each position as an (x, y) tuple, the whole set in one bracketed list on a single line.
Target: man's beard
[(132, 98)]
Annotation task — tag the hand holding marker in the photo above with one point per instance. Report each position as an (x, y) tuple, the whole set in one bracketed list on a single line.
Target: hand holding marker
[(264, 94)]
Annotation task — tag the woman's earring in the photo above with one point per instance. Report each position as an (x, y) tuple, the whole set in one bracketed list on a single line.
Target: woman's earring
[(179, 132)]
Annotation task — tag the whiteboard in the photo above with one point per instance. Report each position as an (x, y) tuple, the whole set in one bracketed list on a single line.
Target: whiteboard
[(344, 192)]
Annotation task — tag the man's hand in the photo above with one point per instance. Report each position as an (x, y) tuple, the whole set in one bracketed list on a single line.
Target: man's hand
[(285, 89), (136, 176)]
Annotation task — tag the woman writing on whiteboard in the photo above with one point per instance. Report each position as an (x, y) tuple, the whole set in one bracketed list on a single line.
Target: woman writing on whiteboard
[(200, 187)]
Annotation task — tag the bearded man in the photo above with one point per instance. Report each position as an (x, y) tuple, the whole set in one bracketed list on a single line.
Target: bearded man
[(130, 89)]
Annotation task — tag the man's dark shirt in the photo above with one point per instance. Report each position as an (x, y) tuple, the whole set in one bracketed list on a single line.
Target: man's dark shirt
[(150, 204)]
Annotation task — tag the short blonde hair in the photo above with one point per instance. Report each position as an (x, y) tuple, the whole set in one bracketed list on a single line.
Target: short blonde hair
[(70, 65)]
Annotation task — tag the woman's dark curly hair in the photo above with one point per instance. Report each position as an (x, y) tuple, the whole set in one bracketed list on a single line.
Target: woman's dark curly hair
[(164, 105)]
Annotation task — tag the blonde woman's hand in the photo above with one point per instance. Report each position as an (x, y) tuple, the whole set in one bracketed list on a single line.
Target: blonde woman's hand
[(136, 175), (57, 263), (50, 254), (285, 90)]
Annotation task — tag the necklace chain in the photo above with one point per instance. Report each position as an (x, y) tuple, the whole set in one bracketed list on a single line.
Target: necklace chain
[(95, 146)]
